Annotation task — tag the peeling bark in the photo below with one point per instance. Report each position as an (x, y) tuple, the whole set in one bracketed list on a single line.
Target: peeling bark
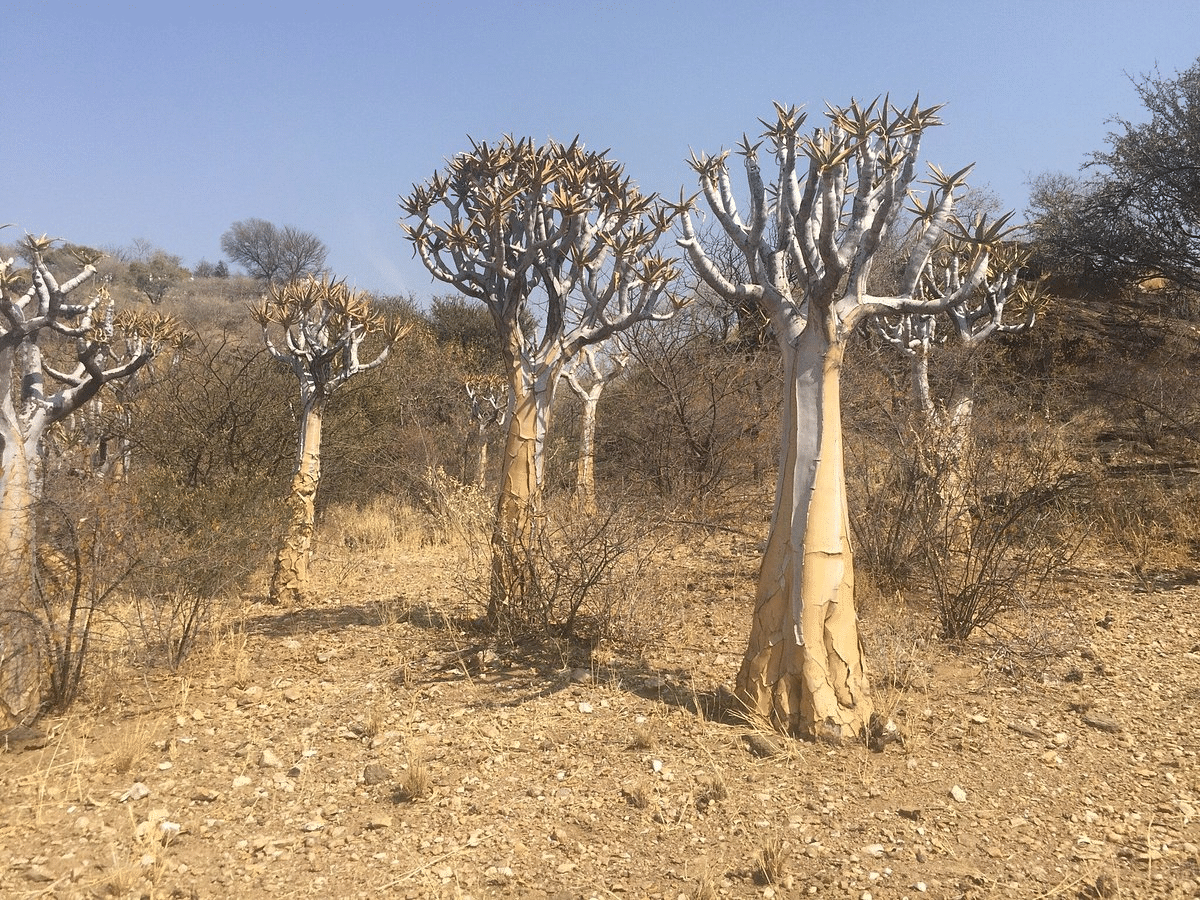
[(585, 466), (22, 662), (519, 502), (803, 669), (522, 471), (289, 584)]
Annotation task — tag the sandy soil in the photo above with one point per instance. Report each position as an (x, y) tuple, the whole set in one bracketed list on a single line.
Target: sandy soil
[(1056, 758)]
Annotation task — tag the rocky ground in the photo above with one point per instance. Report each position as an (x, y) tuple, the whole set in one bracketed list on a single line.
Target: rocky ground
[(369, 745)]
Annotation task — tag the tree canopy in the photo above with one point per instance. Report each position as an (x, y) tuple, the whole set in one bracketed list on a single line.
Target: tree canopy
[(274, 254), (1134, 213)]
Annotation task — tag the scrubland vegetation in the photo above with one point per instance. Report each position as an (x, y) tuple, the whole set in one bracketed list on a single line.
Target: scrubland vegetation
[(536, 695)]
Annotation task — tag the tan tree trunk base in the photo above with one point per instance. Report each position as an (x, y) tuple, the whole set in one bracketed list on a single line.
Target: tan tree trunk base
[(23, 662), (23, 670), (516, 510), (289, 584), (803, 671)]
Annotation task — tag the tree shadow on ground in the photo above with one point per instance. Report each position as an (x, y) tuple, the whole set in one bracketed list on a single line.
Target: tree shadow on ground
[(521, 669)]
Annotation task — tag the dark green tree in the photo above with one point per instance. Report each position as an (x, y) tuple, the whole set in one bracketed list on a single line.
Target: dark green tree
[(1134, 213), (157, 275)]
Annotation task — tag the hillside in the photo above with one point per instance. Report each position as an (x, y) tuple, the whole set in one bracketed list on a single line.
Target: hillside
[(376, 742)]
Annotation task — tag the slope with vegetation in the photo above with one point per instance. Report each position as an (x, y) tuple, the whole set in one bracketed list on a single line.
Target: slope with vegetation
[(1034, 654)]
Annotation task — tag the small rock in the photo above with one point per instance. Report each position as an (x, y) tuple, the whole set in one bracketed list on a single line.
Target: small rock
[(374, 773), (136, 792), (959, 795), (205, 795), (268, 760), (1102, 724), (292, 695), (875, 850), (21, 738), (39, 873), (585, 707), (763, 746), (241, 781)]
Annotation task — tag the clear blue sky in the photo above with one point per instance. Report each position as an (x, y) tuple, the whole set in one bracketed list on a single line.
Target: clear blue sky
[(167, 122)]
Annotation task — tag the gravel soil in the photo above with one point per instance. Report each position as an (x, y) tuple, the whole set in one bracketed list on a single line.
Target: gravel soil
[(372, 744)]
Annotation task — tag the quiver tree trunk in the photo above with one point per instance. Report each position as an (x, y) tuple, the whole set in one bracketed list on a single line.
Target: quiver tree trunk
[(519, 508), (946, 444), (289, 584), (588, 375), (585, 466), (489, 409), (803, 669), (22, 659)]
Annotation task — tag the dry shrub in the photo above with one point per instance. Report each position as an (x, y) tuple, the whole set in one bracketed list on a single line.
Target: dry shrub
[(458, 511), (771, 861), (1021, 492), (695, 420), (417, 784), (579, 578), (1016, 525), (1149, 517), (380, 525), (82, 562)]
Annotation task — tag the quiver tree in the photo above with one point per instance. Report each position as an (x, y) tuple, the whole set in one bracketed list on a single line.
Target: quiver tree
[(317, 328), (488, 395), (945, 436), (808, 241), (554, 231), (588, 374), (55, 356)]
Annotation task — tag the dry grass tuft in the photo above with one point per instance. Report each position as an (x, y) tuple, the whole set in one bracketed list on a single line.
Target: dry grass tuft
[(771, 862), (417, 784)]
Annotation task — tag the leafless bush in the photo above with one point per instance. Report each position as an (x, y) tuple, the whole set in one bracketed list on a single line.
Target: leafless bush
[(82, 561), (1018, 528), (580, 578), (695, 417)]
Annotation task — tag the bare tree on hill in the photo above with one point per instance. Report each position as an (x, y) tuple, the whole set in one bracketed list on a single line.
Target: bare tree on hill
[(273, 254)]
